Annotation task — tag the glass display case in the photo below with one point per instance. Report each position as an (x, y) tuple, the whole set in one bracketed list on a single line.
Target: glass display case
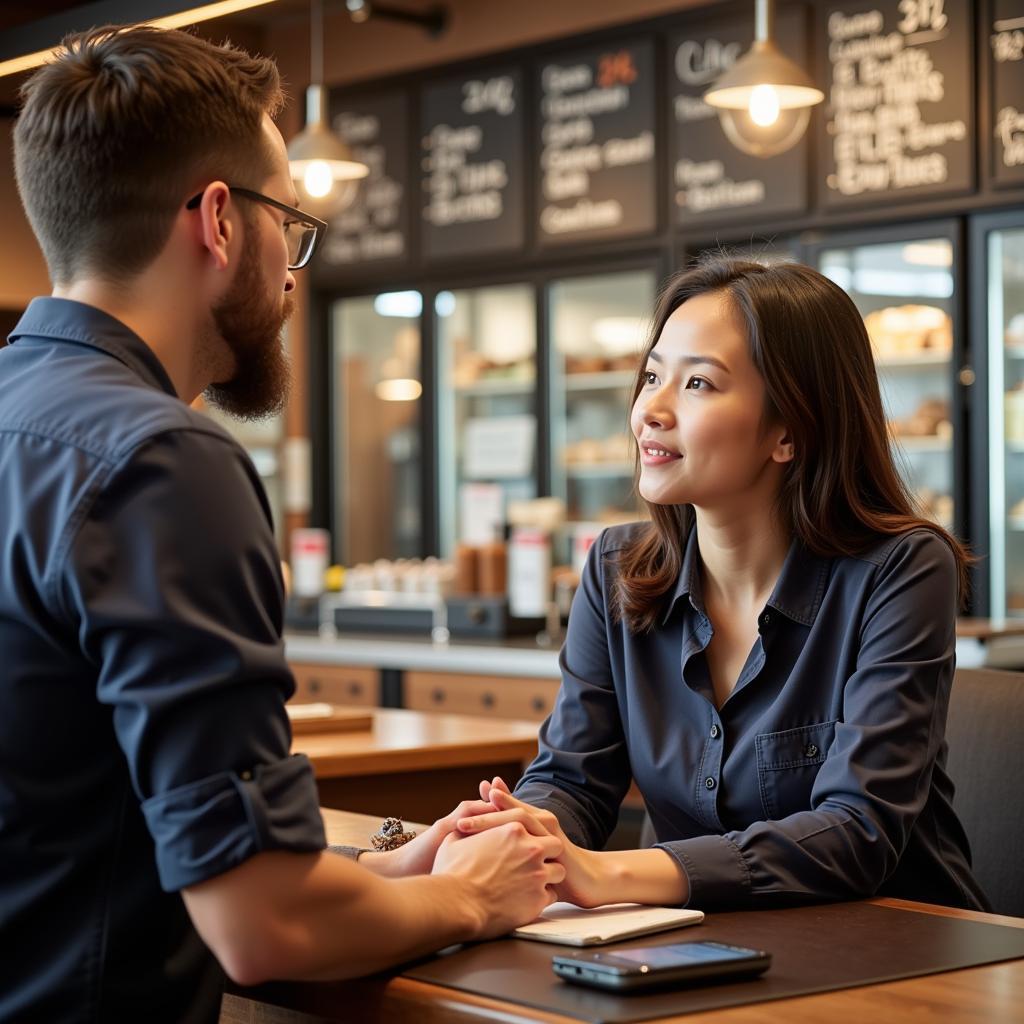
[(486, 401), (376, 427), (999, 252), (598, 326), (904, 289)]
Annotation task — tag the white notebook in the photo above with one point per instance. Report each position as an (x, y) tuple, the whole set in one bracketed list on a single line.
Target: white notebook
[(570, 925)]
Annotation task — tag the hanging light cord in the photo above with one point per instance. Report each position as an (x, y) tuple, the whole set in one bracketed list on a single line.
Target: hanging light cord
[(316, 42), (764, 20)]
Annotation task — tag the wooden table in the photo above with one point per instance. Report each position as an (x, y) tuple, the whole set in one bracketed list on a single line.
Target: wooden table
[(987, 995), (416, 764)]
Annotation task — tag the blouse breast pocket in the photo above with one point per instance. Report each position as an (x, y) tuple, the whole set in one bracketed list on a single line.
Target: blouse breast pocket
[(787, 765)]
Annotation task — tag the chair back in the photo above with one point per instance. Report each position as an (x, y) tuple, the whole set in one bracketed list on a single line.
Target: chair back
[(985, 733)]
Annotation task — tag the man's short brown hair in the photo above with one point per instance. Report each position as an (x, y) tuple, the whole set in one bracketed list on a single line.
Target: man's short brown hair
[(115, 131)]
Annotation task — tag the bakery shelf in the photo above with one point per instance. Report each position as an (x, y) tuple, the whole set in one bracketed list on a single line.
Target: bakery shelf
[(607, 380), (913, 361), (599, 469), (922, 444), (497, 386)]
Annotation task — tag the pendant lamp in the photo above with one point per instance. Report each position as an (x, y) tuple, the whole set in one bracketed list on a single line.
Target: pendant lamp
[(764, 100), (325, 173)]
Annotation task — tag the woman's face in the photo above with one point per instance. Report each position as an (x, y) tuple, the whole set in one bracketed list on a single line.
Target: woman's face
[(698, 418)]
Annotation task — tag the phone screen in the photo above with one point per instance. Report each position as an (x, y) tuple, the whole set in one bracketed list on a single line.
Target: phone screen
[(681, 953)]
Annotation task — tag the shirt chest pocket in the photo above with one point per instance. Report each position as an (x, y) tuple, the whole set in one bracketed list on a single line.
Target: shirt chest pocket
[(787, 765)]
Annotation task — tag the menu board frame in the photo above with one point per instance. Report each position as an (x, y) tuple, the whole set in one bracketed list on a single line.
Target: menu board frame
[(585, 152), (487, 181), (387, 172), (995, 121), (711, 171), (828, 201)]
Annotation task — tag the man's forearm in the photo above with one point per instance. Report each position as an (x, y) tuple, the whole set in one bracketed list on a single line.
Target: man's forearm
[(317, 917)]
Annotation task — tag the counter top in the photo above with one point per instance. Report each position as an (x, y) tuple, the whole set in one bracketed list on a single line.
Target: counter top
[(979, 644), (514, 657)]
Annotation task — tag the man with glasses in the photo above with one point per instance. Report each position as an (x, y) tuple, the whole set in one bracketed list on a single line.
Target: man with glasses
[(149, 809)]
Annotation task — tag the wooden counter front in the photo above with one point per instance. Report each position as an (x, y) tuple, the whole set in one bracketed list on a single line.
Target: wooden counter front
[(416, 764)]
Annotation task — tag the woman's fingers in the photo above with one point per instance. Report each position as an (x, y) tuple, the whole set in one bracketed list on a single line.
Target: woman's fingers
[(482, 822)]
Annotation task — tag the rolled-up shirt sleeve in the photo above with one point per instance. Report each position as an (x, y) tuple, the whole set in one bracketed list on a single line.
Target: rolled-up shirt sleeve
[(876, 777), (581, 772), (173, 583)]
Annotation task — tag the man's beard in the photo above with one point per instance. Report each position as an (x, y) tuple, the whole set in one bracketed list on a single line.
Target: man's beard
[(250, 324)]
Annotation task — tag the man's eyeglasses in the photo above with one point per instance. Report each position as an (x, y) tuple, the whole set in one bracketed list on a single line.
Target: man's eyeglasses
[(302, 231)]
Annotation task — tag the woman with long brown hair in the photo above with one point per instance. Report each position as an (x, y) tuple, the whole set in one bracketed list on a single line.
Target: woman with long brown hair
[(770, 657)]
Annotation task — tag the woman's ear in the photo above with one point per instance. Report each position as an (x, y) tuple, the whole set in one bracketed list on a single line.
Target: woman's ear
[(783, 450)]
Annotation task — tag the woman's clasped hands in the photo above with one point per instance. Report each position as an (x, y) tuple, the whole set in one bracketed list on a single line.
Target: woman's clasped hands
[(497, 807)]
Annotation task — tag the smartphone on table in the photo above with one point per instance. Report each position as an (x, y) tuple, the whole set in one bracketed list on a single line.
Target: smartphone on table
[(643, 967)]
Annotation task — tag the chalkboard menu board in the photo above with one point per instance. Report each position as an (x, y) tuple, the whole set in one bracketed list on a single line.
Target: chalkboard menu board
[(374, 229), (597, 178), (472, 165), (712, 181), (1006, 52), (899, 100)]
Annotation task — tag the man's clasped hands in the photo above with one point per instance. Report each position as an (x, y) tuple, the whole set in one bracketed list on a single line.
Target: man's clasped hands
[(453, 845)]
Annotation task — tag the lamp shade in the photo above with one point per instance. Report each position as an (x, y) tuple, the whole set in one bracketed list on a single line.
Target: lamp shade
[(764, 64), (324, 170)]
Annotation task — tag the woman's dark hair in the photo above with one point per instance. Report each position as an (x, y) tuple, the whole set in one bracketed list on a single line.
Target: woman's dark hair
[(114, 133), (842, 491)]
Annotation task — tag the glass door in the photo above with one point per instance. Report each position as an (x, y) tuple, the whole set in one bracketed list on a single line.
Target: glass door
[(376, 427), (598, 327), (486, 402), (904, 289), (1001, 297)]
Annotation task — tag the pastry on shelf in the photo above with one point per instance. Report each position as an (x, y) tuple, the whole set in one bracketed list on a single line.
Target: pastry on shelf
[(586, 452), (929, 419), (617, 448), (628, 362), (585, 364), (909, 330), (468, 367), (1014, 336)]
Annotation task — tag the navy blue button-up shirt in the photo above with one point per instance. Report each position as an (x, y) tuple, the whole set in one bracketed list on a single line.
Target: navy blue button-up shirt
[(820, 777), (144, 745)]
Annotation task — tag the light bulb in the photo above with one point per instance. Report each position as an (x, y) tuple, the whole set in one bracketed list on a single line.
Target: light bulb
[(764, 105), (318, 179)]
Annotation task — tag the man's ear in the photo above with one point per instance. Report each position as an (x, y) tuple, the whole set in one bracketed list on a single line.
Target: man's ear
[(214, 225), (783, 450)]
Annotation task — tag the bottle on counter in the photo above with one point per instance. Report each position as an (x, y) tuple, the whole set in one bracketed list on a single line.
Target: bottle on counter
[(466, 578), (493, 568), (310, 555), (529, 572)]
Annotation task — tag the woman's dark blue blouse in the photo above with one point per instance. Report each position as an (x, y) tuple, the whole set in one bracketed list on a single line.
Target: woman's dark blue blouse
[(821, 777)]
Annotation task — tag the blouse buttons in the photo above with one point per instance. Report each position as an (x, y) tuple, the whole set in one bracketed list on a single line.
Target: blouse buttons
[(715, 731), (766, 619), (709, 782), (810, 750), (246, 775)]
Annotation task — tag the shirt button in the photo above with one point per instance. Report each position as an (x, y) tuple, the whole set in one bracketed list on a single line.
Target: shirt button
[(765, 619), (810, 750), (714, 732), (246, 775), (709, 782)]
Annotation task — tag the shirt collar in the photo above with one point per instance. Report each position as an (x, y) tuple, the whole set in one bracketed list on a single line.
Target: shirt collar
[(798, 590), (68, 320)]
